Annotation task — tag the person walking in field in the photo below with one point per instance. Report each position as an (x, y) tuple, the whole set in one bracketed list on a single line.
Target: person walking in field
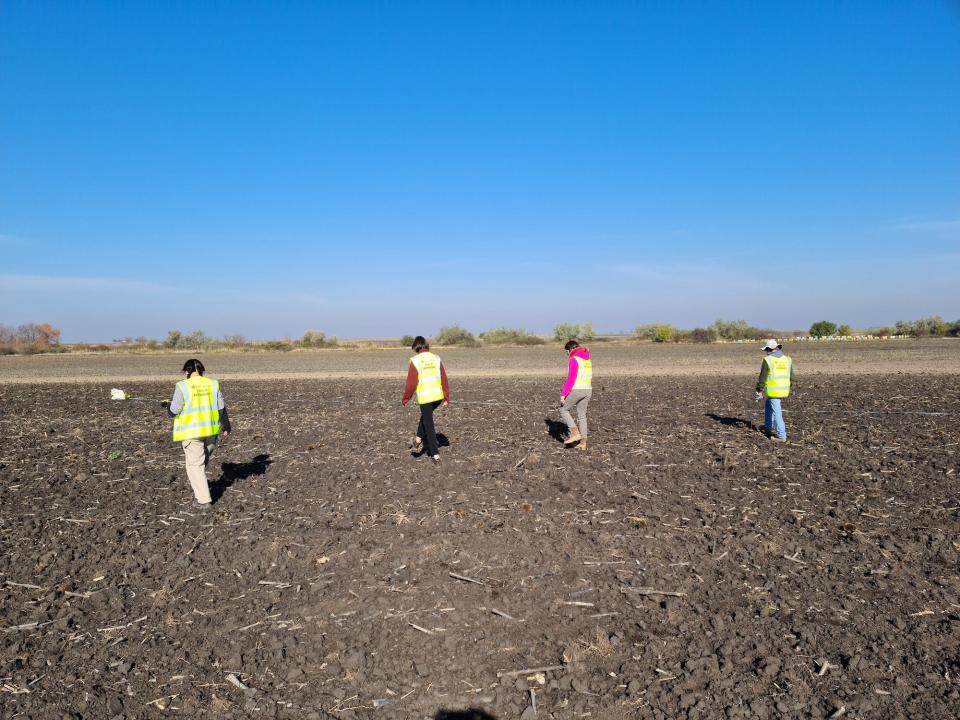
[(576, 393), (427, 379), (776, 376), (199, 420)]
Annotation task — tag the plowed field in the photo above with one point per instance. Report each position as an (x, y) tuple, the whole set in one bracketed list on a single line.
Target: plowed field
[(682, 566)]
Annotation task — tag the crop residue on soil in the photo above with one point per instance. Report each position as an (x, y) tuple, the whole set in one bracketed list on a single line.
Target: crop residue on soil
[(684, 566)]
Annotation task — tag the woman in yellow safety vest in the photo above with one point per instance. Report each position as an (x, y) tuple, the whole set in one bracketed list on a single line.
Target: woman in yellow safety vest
[(776, 376), (427, 378), (576, 393), (199, 419)]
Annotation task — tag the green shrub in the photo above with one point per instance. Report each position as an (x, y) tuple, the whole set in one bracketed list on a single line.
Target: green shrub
[(657, 332), (933, 326), (281, 345), (509, 336), (316, 339), (701, 335), (406, 341), (663, 334), (645, 331), (913, 328), (845, 331), (736, 330), (824, 328), (581, 332), (937, 325), (234, 341), (455, 335), (197, 340)]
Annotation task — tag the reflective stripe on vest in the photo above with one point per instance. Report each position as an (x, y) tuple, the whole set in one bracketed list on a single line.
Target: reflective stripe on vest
[(199, 417), (429, 384), (778, 376), (584, 379)]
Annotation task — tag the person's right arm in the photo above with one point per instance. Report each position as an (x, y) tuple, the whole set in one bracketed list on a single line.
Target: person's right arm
[(762, 380), (176, 404), (445, 384), (411, 385), (571, 379)]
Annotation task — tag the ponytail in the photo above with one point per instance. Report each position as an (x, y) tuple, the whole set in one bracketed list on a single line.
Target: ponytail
[(193, 366)]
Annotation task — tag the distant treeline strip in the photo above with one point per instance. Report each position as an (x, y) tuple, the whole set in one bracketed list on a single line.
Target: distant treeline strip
[(32, 338)]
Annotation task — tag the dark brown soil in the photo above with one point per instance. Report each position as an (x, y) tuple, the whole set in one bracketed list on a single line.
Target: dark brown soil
[(813, 579)]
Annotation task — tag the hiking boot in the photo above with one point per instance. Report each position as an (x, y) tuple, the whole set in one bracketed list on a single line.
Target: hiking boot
[(573, 436), (416, 444), (582, 445), (436, 460), (202, 507)]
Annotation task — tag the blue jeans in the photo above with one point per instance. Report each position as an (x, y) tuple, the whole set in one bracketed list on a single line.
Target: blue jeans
[(773, 418)]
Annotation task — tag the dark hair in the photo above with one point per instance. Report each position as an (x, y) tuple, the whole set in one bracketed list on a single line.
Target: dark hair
[(193, 366), (420, 343), (571, 344)]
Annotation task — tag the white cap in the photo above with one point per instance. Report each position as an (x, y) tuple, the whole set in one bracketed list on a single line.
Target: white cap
[(771, 344)]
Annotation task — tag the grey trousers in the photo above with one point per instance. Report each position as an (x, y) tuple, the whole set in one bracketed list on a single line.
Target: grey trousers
[(579, 399)]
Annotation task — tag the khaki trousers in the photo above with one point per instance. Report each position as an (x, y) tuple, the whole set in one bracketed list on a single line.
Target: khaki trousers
[(197, 454)]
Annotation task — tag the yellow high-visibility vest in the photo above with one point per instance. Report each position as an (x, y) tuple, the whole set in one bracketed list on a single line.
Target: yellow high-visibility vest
[(778, 376), (584, 379), (429, 384), (199, 417)]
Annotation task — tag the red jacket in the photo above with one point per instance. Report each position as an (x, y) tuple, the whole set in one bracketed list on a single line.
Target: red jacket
[(413, 378)]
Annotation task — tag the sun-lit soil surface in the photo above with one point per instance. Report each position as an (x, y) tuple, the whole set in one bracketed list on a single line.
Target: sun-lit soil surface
[(684, 566)]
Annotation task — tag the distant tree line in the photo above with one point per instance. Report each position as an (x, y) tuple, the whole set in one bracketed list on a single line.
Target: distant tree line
[(456, 335), (933, 326), (721, 330), (29, 338), (734, 330), (199, 340)]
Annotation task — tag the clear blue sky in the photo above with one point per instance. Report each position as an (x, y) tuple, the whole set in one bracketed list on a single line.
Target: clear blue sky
[(378, 168)]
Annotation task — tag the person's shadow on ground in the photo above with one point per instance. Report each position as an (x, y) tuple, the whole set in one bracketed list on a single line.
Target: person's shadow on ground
[(557, 430), (471, 714), (733, 422), (232, 472)]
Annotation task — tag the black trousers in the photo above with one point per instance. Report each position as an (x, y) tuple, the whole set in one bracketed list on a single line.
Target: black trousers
[(425, 429)]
